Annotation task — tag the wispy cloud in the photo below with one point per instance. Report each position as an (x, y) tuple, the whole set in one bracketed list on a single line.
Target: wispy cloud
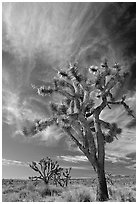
[(124, 145), (73, 159), (117, 158), (80, 167), (50, 137), (7, 162)]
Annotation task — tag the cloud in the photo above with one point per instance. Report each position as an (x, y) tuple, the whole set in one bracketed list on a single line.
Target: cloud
[(131, 156), (47, 27), (73, 159), (117, 158), (17, 112), (7, 162), (76, 167), (50, 137)]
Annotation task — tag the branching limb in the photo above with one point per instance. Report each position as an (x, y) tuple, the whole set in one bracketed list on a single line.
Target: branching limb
[(89, 135), (129, 111), (65, 94), (35, 178), (48, 91), (99, 109), (40, 125), (77, 127), (105, 124), (60, 84), (68, 131), (100, 139), (35, 168)]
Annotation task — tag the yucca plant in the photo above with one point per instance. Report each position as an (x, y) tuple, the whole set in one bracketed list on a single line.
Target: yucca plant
[(78, 115)]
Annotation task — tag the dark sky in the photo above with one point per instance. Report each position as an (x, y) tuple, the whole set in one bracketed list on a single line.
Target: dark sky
[(41, 38)]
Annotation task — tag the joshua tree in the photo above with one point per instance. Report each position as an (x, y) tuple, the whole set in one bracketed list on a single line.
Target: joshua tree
[(78, 113), (49, 170), (67, 176), (62, 178), (46, 169)]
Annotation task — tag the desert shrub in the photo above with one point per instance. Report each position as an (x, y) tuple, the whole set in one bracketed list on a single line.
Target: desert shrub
[(45, 192), (35, 183), (23, 194), (32, 197), (56, 190), (49, 190), (29, 196), (13, 197), (127, 196), (78, 195), (10, 190), (20, 187), (122, 194), (31, 187)]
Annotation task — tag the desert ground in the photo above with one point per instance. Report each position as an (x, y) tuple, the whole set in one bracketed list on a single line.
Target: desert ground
[(122, 189)]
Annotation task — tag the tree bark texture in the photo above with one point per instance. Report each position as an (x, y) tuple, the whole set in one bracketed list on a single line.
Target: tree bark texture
[(102, 192)]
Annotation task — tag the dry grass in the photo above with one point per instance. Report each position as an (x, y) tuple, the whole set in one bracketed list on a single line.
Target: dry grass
[(81, 194), (80, 191), (126, 194)]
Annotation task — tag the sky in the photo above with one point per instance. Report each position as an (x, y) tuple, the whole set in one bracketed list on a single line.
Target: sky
[(38, 39)]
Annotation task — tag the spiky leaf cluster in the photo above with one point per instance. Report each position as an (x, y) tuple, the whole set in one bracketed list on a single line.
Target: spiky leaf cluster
[(112, 132)]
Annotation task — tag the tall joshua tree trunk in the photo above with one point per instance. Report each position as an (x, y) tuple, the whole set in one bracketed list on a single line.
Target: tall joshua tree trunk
[(102, 192), (46, 181)]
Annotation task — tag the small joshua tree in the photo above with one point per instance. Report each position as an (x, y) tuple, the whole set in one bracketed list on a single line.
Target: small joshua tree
[(62, 178), (49, 170), (78, 113), (67, 176), (46, 169)]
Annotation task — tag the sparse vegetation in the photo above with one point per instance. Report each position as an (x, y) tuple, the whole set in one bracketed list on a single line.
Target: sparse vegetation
[(81, 194), (78, 191), (119, 194)]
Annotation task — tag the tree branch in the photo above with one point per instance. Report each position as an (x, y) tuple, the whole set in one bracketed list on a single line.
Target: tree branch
[(100, 138), (42, 125), (129, 111), (35, 167), (68, 131), (89, 134), (99, 109), (64, 93), (105, 124), (35, 178), (64, 84)]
